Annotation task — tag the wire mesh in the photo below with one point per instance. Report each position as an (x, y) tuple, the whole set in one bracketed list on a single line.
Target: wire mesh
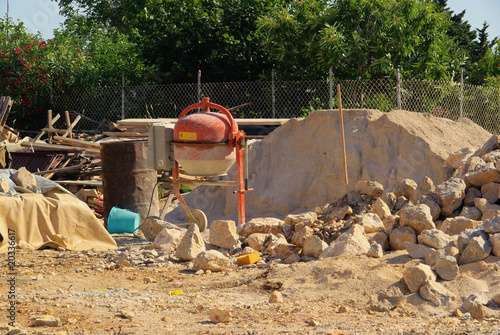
[(287, 99)]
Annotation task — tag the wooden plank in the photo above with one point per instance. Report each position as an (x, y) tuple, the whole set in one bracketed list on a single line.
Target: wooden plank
[(77, 143), (125, 134), (58, 147), (49, 125), (130, 123), (71, 126), (5, 107), (80, 182)]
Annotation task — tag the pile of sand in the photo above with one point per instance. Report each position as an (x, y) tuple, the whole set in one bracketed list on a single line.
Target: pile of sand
[(299, 166)]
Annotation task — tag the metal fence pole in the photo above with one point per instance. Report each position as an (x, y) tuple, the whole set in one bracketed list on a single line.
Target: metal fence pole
[(273, 95), (199, 85), (123, 95), (51, 92), (398, 89), (461, 92), (330, 76)]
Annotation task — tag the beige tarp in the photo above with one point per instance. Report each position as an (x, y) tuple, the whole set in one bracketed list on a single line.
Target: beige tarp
[(55, 218)]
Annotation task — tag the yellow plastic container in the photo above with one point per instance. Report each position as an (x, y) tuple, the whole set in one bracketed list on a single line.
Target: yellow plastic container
[(248, 259)]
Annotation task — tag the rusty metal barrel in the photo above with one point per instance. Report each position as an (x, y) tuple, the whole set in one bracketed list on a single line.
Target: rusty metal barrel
[(127, 181)]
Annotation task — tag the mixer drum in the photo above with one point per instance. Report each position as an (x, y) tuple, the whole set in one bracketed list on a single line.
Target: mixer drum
[(201, 144)]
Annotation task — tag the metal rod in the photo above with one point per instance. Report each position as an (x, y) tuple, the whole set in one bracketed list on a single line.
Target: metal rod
[(398, 89), (123, 95), (330, 88), (199, 88), (461, 92), (207, 182), (273, 89), (342, 138), (245, 160)]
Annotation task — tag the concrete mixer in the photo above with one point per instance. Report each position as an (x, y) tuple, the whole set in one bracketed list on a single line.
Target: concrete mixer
[(202, 144)]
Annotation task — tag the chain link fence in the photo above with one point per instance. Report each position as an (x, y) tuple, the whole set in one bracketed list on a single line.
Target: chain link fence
[(287, 99)]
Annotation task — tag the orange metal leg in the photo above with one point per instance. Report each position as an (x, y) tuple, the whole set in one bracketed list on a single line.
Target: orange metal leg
[(241, 184)]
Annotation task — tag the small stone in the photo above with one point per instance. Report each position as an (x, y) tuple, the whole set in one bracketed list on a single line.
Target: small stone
[(371, 223), (314, 246), (381, 209), (308, 218), (47, 321), (212, 260), (343, 309), (495, 243), (478, 248), (417, 216), (127, 314), (168, 239), (220, 315), (405, 188), (300, 236), (371, 188), (417, 250), (191, 244), (261, 225), (256, 240), (375, 251), (474, 306), (72, 321), (276, 298)]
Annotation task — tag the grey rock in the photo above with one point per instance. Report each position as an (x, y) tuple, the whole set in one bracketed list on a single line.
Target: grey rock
[(474, 305), (446, 268), (436, 293), (451, 194), (477, 249), (472, 213), (399, 236), (375, 251), (492, 226), (432, 257), (387, 299), (489, 191), (417, 250), (471, 195)]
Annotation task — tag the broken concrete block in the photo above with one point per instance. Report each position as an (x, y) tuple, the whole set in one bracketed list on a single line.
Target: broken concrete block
[(446, 267), (381, 209), (371, 188), (477, 249), (424, 187), (212, 260), (456, 225), (495, 243), (417, 216), (472, 213), (256, 240), (352, 242), (314, 246), (436, 293), (380, 238), (489, 191), (417, 250), (399, 236), (25, 179), (434, 238), (308, 217), (405, 188), (417, 276), (371, 223), (168, 239), (261, 225), (223, 234), (451, 194), (375, 250), (300, 236), (191, 244)]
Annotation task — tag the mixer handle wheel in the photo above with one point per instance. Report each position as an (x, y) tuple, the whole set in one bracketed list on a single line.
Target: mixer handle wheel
[(204, 104), (201, 219)]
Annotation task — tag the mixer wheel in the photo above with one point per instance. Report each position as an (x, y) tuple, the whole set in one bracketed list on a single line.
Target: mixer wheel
[(201, 219)]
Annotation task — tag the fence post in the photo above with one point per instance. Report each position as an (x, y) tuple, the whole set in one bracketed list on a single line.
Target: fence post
[(398, 89), (199, 85), (273, 90), (330, 75), (461, 92), (51, 92), (123, 95)]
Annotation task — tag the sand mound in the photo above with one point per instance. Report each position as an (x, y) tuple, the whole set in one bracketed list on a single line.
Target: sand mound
[(299, 166)]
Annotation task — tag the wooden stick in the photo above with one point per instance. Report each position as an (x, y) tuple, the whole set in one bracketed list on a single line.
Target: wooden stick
[(342, 138)]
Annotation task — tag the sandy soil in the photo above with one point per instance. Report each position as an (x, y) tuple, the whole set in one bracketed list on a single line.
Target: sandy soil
[(330, 296)]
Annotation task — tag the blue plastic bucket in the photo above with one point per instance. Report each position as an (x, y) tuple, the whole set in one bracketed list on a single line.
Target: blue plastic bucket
[(122, 221)]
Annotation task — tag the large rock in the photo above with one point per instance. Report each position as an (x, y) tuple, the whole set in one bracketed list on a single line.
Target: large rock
[(212, 260), (352, 242), (371, 223), (256, 240), (390, 222), (405, 188), (486, 173), (471, 195), (495, 244), (456, 225), (375, 250), (477, 249), (466, 236), (370, 187), (384, 147), (261, 225), (488, 210), (314, 246), (400, 236), (307, 217), (25, 179), (432, 257), (381, 209), (417, 216), (387, 299), (299, 237), (446, 268), (417, 276), (424, 187), (191, 244), (153, 225), (474, 305), (168, 239), (489, 191), (417, 250), (339, 213), (223, 234), (434, 238), (472, 213), (436, 293), (459, 158), (451, 194), (379, 238), (433, 205), (492, 226)]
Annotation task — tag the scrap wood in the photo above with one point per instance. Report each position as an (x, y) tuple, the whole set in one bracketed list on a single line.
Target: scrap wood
[(76, 143), (5, 106), (49, 146), (125, 134)]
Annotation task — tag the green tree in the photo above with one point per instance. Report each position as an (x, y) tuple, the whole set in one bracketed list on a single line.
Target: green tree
[(181, 37), (361, 39)]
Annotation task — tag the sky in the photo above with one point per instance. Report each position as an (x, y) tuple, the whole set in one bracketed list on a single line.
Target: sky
[(43, 15)]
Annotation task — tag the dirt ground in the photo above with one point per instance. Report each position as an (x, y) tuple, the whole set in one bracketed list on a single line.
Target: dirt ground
[(330, 296)]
